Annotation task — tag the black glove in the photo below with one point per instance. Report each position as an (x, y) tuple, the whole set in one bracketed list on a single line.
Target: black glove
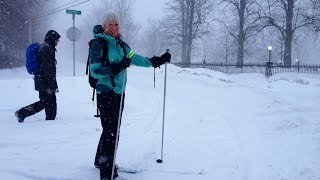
[(158, 61), (116, 68), (166, 56)]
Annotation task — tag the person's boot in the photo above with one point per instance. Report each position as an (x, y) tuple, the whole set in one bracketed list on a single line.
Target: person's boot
[(105, 176), (105, 172), (20, 119)]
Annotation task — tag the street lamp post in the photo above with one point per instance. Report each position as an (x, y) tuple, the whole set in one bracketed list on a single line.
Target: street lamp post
[(269, 64), (269, 49), (298, 64)]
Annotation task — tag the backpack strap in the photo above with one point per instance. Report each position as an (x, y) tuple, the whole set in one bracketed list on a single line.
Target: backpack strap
[(104, 57), (88, 60), (122, 45)]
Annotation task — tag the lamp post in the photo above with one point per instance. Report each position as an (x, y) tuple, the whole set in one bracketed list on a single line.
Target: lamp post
[(298, 65), (269, 64), (269, 49)]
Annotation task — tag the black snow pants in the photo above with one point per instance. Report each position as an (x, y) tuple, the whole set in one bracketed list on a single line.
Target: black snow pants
[(108, 104), (47, 101)]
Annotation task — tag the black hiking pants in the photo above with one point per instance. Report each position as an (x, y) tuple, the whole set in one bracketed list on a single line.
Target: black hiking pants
[(47, 101), (108, 104)]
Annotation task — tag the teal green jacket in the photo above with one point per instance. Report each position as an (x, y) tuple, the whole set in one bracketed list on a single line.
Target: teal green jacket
[(115, 55)]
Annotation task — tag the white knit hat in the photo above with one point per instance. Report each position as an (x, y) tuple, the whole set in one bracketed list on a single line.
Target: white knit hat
[(110, 16)]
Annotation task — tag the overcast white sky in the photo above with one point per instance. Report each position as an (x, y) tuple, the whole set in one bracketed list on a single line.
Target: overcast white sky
[(142, 9), (145, 9)]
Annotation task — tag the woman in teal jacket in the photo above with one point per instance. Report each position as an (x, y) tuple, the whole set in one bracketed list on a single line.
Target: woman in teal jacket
[(112, 77)]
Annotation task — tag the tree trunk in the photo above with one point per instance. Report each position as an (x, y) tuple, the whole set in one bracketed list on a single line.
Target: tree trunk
[(188, 53), (184, 34), (190, 18), (241, 35), (187, 11), (288, 34), (184, 53)]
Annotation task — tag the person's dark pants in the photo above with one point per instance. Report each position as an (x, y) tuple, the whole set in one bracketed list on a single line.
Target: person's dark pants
[(108, 104), (47, 101)]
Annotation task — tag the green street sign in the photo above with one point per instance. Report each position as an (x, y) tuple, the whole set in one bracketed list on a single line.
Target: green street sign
[(69, 11)]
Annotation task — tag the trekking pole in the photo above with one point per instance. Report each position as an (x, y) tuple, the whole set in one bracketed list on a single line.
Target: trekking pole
[(154, 77), (94, 91), (98, 111), (118, 128), (93, 94), (164, 108)]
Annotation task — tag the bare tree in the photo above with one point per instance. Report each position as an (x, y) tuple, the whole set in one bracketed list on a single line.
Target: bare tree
[(226, 46), (289, 16), (244, 12), (186, 21)]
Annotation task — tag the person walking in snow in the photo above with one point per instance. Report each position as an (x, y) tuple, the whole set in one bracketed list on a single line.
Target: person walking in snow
[(44, 80), (111, 84)]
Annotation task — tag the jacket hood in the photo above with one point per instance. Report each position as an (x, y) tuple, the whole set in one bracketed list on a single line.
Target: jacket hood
[(51, 36), (97, 29)]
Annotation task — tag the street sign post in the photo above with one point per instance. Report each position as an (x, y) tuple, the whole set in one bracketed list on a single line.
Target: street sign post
[(74, 12)]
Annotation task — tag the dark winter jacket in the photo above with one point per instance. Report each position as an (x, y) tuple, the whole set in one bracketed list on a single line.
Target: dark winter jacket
[(45, 78)]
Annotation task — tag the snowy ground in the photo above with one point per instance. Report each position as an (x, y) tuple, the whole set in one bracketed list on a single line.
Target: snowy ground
[(217, 126)]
